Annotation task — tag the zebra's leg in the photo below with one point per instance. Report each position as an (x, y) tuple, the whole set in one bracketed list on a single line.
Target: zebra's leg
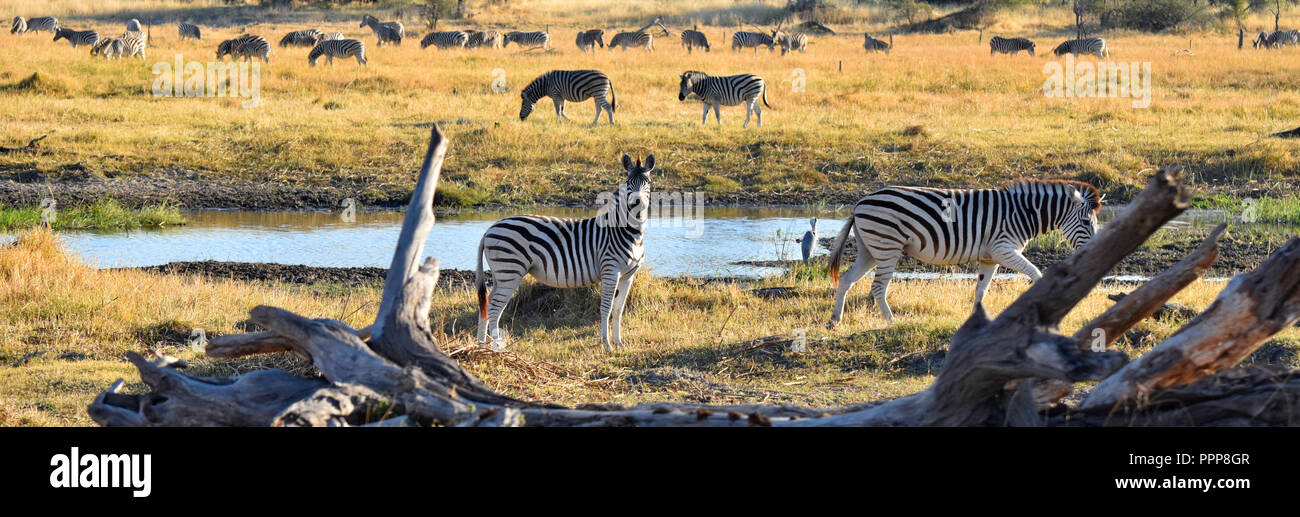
[(506, 283), (1013, 260), (608, 286), (749, 107), (705, 120), (717, 113), (986, 272), (758, 110), (860, 267), (620, 299), (880, 285)]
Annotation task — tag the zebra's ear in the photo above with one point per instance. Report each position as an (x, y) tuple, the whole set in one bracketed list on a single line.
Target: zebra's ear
[(649, 164), (628, 164)]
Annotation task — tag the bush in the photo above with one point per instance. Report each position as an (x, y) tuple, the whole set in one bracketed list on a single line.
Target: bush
[(1154, 15)]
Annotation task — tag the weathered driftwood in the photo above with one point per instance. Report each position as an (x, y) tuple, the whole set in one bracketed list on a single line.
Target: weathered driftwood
[(393, 373)]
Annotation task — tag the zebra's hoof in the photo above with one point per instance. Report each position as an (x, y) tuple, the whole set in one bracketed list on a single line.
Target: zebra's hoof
[(831, 325)]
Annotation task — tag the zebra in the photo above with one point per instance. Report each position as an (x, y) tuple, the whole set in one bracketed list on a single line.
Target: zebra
[(20, 25), (1011, 46), (133, 25), (792, 41), (134, 44), (954, 226), (724, 91), (447, 39), (302, 38), (1083, 46), (385, 32), (752, 39), (188, 30), (109, 48), (528, 39), (76, 37), (588, 39), (874, 45), (569, 85), (329, 36), (632, 39), (487, 38), (1277, 39), (605, 249), (338, 48), (44, 23), (247, 46), (693, 38)]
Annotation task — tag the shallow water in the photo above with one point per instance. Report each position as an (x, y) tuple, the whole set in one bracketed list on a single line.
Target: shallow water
[(706, 246)]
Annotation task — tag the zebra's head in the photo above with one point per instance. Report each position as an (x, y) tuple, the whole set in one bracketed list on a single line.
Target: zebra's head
[(1080, 221), (635, 191), (367, 20), (529, 96), (689, 80), (1032, 47)]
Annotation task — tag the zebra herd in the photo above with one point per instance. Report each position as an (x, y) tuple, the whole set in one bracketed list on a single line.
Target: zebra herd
[(579, 85), (1277, 39), (132, 42)]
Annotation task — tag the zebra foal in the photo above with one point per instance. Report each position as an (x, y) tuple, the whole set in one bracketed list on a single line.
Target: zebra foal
[(569, 85), (1011, 46), (724, 91), (950, 226), (385, 32), (338, 48), (605, 249), (188, 31), (1083, 46), (587, 40), (76, 37)]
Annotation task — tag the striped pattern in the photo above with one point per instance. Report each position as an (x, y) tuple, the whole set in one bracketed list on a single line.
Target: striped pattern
[(109, 48), (947, 226), (694, 38), (1010, 45), (632, 39), (792, 41), (1277, 39), (20, 25), (874, 45), (741, 40), (133, 25), (385, 32), (528, 39), (302, 38), (569, 85), (76, 37), (248, 46), (724, 91), (330, 36), (1083, 46), (44, 23), (338, 48), (447, 39), (188, 31), (587, 40), (133, 44), (488, 38), (607, 249)]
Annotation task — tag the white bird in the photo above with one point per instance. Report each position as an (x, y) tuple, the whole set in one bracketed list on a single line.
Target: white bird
[(809, 240)]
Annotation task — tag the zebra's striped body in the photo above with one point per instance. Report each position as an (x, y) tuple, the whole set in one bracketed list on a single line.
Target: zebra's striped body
[(742, 39), (569, 85), (447, 39), (489, 38), (792, 41), (385, 32), (133, 25), (109, 48), (947, 226), (77, 37), (44, 23), (693, 38), (606, 249), (1083, 46), (247, 46), (874, 45), (1010, 45), (1277, 39), (338, 48), (528, 39), (189, 31), (134, 44), (20, 26), (302, 38), (724, 91), (632, 39), (587, 40), (329, 36)]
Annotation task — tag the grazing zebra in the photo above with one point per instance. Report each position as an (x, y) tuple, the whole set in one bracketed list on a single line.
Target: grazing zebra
[(489, 38), (302, 38), (77, 37), (874, 45), (109, 48), (44, 23), (247, 46), (528, 39), (20, 25), (1277, 39), (131, 44), (569, 85), (448, 39), (328, 36), (693, 38), (795, 41), (189, 30), (1083, 46), (947, 226), (632, 39), (386, 32), (605, 249), (133, 25), (1011, 46), (742, 39), (587, 40), (338, 48), (724, 91)]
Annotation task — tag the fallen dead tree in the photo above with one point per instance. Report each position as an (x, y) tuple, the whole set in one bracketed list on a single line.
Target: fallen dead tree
[(393, 372), (30, 147)]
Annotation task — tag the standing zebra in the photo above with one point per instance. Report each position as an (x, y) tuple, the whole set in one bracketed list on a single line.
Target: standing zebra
[(134, 44), (448, 39), (385, 32), (133, 25), (743, 39), (44, 23), (20, 26), (792, 41), (632, 39), (569, 85), (724, 91), (189, 30), (247, 46), (947, 226), (109, 48), (302, 38), (566, 253), (692, 38), (587, 40), (528, 39), (338, 48), (1277, 39), (1011, 46), (76, 37), (874, 45), (1083, 46), (488, 38)]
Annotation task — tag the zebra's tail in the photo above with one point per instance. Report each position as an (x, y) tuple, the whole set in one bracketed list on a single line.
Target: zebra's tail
[(613, 103), (837, 251), (479, 284), (765, 99)]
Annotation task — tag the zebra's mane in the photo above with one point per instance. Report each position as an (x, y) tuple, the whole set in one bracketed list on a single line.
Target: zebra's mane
[(1088, 192)]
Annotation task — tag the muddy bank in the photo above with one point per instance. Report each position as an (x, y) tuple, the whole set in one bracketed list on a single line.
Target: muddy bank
[(292, 274)]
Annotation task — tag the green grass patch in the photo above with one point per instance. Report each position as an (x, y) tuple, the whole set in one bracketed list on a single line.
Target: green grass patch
[(106, 214)]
